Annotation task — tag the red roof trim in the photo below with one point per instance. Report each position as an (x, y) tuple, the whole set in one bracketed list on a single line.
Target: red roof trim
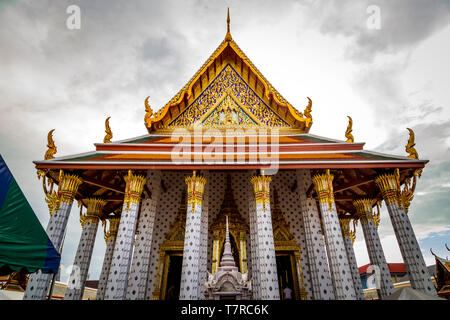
[(393, 268)]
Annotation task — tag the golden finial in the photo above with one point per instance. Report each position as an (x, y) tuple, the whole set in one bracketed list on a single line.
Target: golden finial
[(228, 36), (348, 132), (148, 113), (51, 146), (410, 146), (307, 110), (109, 135)]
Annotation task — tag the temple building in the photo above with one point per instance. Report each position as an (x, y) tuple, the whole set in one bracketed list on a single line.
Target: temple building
[(229, 147)]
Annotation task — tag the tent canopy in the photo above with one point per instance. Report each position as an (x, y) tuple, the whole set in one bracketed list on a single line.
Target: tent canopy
[(24, 244)]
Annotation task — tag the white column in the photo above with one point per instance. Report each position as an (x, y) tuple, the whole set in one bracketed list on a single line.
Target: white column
[(409, 247), (89, 223), (110, 239), (191, 252), (373, 243), (337, 255), (203, 268), (123, 250), (266, 249), (319, 271), (137, 280), (349, 237), (39, 283)]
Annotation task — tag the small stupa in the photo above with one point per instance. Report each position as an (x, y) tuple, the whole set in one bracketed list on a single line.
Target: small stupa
[(227, 282)]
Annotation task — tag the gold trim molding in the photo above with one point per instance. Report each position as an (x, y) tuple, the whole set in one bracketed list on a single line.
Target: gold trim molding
[(323, 184)]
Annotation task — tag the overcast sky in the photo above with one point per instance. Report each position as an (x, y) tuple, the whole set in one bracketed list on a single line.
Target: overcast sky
[(386, 79)]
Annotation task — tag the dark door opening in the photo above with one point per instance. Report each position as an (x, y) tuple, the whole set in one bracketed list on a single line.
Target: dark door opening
[(285, 276), (174, 277)]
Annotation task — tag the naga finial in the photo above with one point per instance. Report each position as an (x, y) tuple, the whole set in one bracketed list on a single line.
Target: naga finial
[(348, 132), (410, 146), (228, 36), (109, 135), (148, 113), (307, 111), (51, 146)]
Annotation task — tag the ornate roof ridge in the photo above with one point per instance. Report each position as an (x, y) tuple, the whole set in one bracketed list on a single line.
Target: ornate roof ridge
[(268, 92)]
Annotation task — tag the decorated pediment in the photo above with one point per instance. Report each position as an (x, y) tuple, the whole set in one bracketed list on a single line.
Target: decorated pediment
[(228, 102)]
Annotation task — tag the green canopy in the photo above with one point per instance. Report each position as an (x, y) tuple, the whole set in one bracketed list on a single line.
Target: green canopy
[(24, 244)]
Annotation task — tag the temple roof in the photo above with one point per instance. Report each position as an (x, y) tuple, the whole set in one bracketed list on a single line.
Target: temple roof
[(289, 151), (228, 71)]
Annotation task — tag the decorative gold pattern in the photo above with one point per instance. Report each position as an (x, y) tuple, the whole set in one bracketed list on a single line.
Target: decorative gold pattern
[(410, 146), (346, 230), (228, 82), (228, 114), (93, 212), (364, 210), (407, 194), (196, 185), (133, 190), (109, 135), (348, 132), (113, 228), (323, 184), (261, 187), (389, 187), (51, 196), (49, 154), (68, 187), (228, 35), (148, 114)]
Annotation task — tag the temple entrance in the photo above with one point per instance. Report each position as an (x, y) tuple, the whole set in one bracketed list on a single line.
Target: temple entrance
[(286, 269), (172, 277)]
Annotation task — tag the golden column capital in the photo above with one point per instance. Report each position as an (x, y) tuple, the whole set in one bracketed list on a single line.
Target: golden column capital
[(133, 190), (68, 187), (196, 187), (93, 211), (113, 229), (261, 187), (389, 187), (346, 230), (323, 184), (365, 212)]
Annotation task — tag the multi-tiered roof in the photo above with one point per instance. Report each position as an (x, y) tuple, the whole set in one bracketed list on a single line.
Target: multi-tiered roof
[(229, 117)]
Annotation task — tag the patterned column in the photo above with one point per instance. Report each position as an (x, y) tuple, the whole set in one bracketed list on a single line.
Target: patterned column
[(266, 249), (254, 251), (322, 286), (373, 243), (344, 288), (120, 264), (89, 223), (191, 252), (110, 239), (39, 283), (409, 247), (349, 238), (137, 280), (203, 268)]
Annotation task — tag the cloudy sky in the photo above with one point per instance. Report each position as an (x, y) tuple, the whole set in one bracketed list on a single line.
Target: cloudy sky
[(387, 79)]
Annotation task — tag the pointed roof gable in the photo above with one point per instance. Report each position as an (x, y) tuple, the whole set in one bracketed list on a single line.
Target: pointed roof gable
[(228, 56)]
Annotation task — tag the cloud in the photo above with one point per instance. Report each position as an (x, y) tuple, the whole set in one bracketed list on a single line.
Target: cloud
[(71, 80), (404, 23)]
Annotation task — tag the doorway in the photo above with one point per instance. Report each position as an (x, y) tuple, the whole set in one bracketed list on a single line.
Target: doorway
[(172, 276), (287, 274)]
